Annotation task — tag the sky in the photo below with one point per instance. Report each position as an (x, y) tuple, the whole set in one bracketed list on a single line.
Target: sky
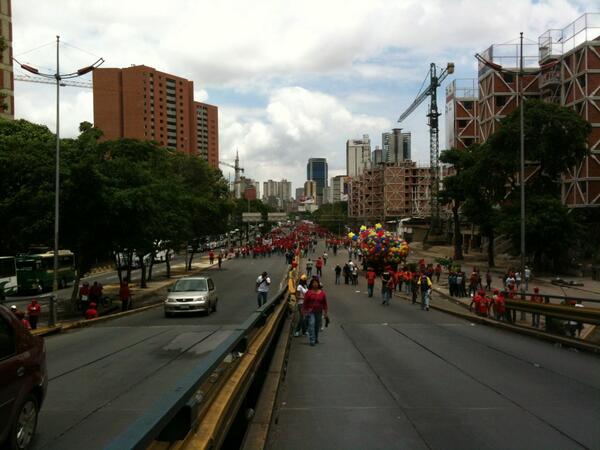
[(292, 80)]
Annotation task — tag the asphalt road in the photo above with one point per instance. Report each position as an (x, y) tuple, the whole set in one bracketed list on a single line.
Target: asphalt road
[(398, 377), (101, 378)]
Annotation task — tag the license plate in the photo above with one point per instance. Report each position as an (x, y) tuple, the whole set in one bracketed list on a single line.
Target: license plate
[(184, 307)]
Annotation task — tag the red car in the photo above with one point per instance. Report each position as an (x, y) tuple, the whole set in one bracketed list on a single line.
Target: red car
[(23, 381)]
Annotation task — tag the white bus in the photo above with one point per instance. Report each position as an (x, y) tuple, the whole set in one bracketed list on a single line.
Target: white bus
[(8, 276)]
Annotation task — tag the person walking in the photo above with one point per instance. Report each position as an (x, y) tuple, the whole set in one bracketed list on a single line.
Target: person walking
[(385, 293), (262, 287), (315, 307), (211, 257), (346, 273), (34, 309), (371, 276), (438, 273), (425, 285), (220, 259), (125, 296), (301, 290), (325, 256), (527, 277), (488, 281), (355, 275), (338, 273), (309, 266), (319, 266)]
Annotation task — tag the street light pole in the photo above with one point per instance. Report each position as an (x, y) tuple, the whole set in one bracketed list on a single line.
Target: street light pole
[(522, 157), (58, 77), (52, 318)]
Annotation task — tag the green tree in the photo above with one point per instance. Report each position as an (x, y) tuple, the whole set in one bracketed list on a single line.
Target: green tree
[(454, 190), (26, 185), (332, 216)]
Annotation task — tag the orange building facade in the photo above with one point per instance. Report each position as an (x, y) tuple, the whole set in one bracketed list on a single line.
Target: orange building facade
[(7, 109), (140, 102)]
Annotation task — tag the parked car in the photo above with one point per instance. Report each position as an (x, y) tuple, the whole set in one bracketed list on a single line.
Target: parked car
[(191, 295), (23, 381)]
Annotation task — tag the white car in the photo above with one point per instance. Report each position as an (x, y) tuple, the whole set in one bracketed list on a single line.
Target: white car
[(191, 295)]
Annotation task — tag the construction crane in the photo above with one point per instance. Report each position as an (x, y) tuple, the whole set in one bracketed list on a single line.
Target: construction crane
[(237, 180), (436, 76), (30, 79)]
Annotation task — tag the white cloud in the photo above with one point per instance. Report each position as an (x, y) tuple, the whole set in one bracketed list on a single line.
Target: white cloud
[(298, 124), (200, 95), (309, 65)]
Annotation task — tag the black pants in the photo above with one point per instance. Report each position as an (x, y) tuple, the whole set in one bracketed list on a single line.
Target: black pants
[(33, 320)]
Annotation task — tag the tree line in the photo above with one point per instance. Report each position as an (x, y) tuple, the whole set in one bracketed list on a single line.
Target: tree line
[(485, 188), (115, 196)]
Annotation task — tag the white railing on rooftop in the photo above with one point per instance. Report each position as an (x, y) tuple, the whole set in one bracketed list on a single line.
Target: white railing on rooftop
[(556, 42)]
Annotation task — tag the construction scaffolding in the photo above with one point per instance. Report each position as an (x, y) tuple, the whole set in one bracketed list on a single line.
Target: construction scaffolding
[(390, 192)]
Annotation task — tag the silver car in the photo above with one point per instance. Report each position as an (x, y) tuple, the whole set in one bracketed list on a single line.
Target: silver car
[(191, 295)]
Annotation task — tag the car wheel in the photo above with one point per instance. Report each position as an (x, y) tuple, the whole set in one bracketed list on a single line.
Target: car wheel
[(215, 305), (23, 430)]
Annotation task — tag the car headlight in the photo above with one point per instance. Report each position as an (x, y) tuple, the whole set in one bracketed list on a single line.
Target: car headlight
[(171, 300), (201, 299)]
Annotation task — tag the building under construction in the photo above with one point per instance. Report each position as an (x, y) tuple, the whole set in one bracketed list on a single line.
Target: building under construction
[(562, 68), (390, 191)]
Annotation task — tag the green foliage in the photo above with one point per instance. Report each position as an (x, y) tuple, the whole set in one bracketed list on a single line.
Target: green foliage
[(115, 195), (332, 216), (486, 183), (445, 262), (550, 231)]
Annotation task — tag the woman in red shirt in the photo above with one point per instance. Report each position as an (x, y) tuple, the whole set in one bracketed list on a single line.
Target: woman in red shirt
[(314, 307)]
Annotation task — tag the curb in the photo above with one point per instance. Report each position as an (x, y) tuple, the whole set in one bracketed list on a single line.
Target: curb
[(538, 334)]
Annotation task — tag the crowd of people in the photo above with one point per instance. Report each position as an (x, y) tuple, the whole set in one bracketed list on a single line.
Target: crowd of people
[(31, 318)]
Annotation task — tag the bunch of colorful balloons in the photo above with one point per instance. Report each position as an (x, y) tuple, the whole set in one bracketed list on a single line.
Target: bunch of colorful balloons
[(380, 246)]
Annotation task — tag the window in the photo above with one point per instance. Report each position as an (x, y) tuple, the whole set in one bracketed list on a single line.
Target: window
[(462, 123), (7, 340), (500, 100), (467, 105), (508, 77)]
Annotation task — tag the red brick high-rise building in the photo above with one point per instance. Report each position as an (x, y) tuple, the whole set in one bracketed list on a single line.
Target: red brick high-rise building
[(7, 110), (140, 102)]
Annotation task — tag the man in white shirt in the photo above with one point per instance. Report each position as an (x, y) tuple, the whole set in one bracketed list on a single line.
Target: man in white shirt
[(262, 287)]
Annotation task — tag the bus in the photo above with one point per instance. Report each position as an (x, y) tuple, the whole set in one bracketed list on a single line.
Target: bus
[(35, 272), (8, 276)]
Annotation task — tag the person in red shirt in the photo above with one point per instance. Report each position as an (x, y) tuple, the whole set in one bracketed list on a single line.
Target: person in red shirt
[(484, 304), (499, 305), (371, 276), (319, 266), (23, 319), (34, 310), (314, 308), (438, 272), (211, 257), (125, 296), (91, 312), (476, 303), (84, 296), (536, 298)]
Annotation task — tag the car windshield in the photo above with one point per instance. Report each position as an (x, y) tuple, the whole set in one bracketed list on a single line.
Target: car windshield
[(190, 285)]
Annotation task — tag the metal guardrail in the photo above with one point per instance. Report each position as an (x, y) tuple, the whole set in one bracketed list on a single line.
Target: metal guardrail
[(172, 410), (584, 315)]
